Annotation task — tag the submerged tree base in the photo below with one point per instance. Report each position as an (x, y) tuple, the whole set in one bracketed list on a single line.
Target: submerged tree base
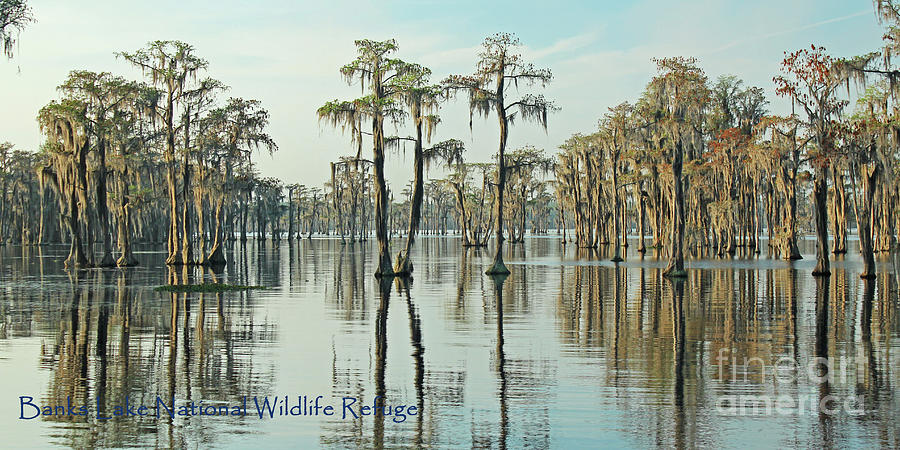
[(822, 269), (126, 262), (205, 287), (498, 268), (404, 267), (107, 261), (675, 273), (385, 272)]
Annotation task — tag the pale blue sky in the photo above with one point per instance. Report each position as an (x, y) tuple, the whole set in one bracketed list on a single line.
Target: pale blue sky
[(286, 54)]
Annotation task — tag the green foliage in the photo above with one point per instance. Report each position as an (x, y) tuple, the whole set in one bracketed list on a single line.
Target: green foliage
[(501, 67), (206, 287)]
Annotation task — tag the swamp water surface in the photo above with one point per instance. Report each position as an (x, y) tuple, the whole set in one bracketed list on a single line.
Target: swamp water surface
[(568, 351)]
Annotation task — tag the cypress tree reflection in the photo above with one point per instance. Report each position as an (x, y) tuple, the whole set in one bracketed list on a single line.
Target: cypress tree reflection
[(571, 351), (678, 343), (111, 339), (821, 353), (381, 344), (500, 362), (418, 354)]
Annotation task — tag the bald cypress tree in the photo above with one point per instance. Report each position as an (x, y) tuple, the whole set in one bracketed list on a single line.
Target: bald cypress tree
[(103, 96), (380, 78), (810, 79), (173, 68), (66, 129), (421, 101), (680, 94), (492, 89)]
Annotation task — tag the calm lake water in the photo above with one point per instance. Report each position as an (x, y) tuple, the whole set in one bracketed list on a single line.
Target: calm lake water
[(569, 351)]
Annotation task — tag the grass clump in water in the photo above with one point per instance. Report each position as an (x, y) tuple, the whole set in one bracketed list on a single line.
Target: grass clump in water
[(206, 287)]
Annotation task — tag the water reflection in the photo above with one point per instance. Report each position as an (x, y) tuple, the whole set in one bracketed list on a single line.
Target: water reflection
[(498, 281), (108, 340), (569, 351), (381, 343)]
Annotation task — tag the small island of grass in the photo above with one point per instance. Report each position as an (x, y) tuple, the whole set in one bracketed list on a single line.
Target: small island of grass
[(205, 287)]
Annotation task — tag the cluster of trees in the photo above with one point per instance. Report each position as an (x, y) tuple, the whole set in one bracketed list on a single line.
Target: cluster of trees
[(394, 90), (20, 199), (111, 142), (706, 169), (677, 157), (156, 158), (698, 166)]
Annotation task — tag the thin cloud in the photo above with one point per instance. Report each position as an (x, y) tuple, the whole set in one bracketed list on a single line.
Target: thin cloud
[(565, 45), (784, 32)]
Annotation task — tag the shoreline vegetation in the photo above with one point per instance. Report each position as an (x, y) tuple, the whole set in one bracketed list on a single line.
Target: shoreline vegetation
[(698, 167)]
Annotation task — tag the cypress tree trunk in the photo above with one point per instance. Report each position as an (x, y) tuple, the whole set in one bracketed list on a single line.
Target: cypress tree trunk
[(243, 218), (216, 255), (463, 215), (770, 214), (126, 258), (617, 245), (384, 268), (641, 211), (404, 265), (865, 219), (497, 266), (820, 197), (79, 258), (174, 243), (791, 251), (676, 261), (290, 235), (312, 217), (201, 224), (187, 248), (102, 207), (839, 212), (76, 252), (656, 209)]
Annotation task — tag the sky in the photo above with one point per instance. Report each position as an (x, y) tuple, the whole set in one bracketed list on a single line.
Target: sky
[(287, 54)]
